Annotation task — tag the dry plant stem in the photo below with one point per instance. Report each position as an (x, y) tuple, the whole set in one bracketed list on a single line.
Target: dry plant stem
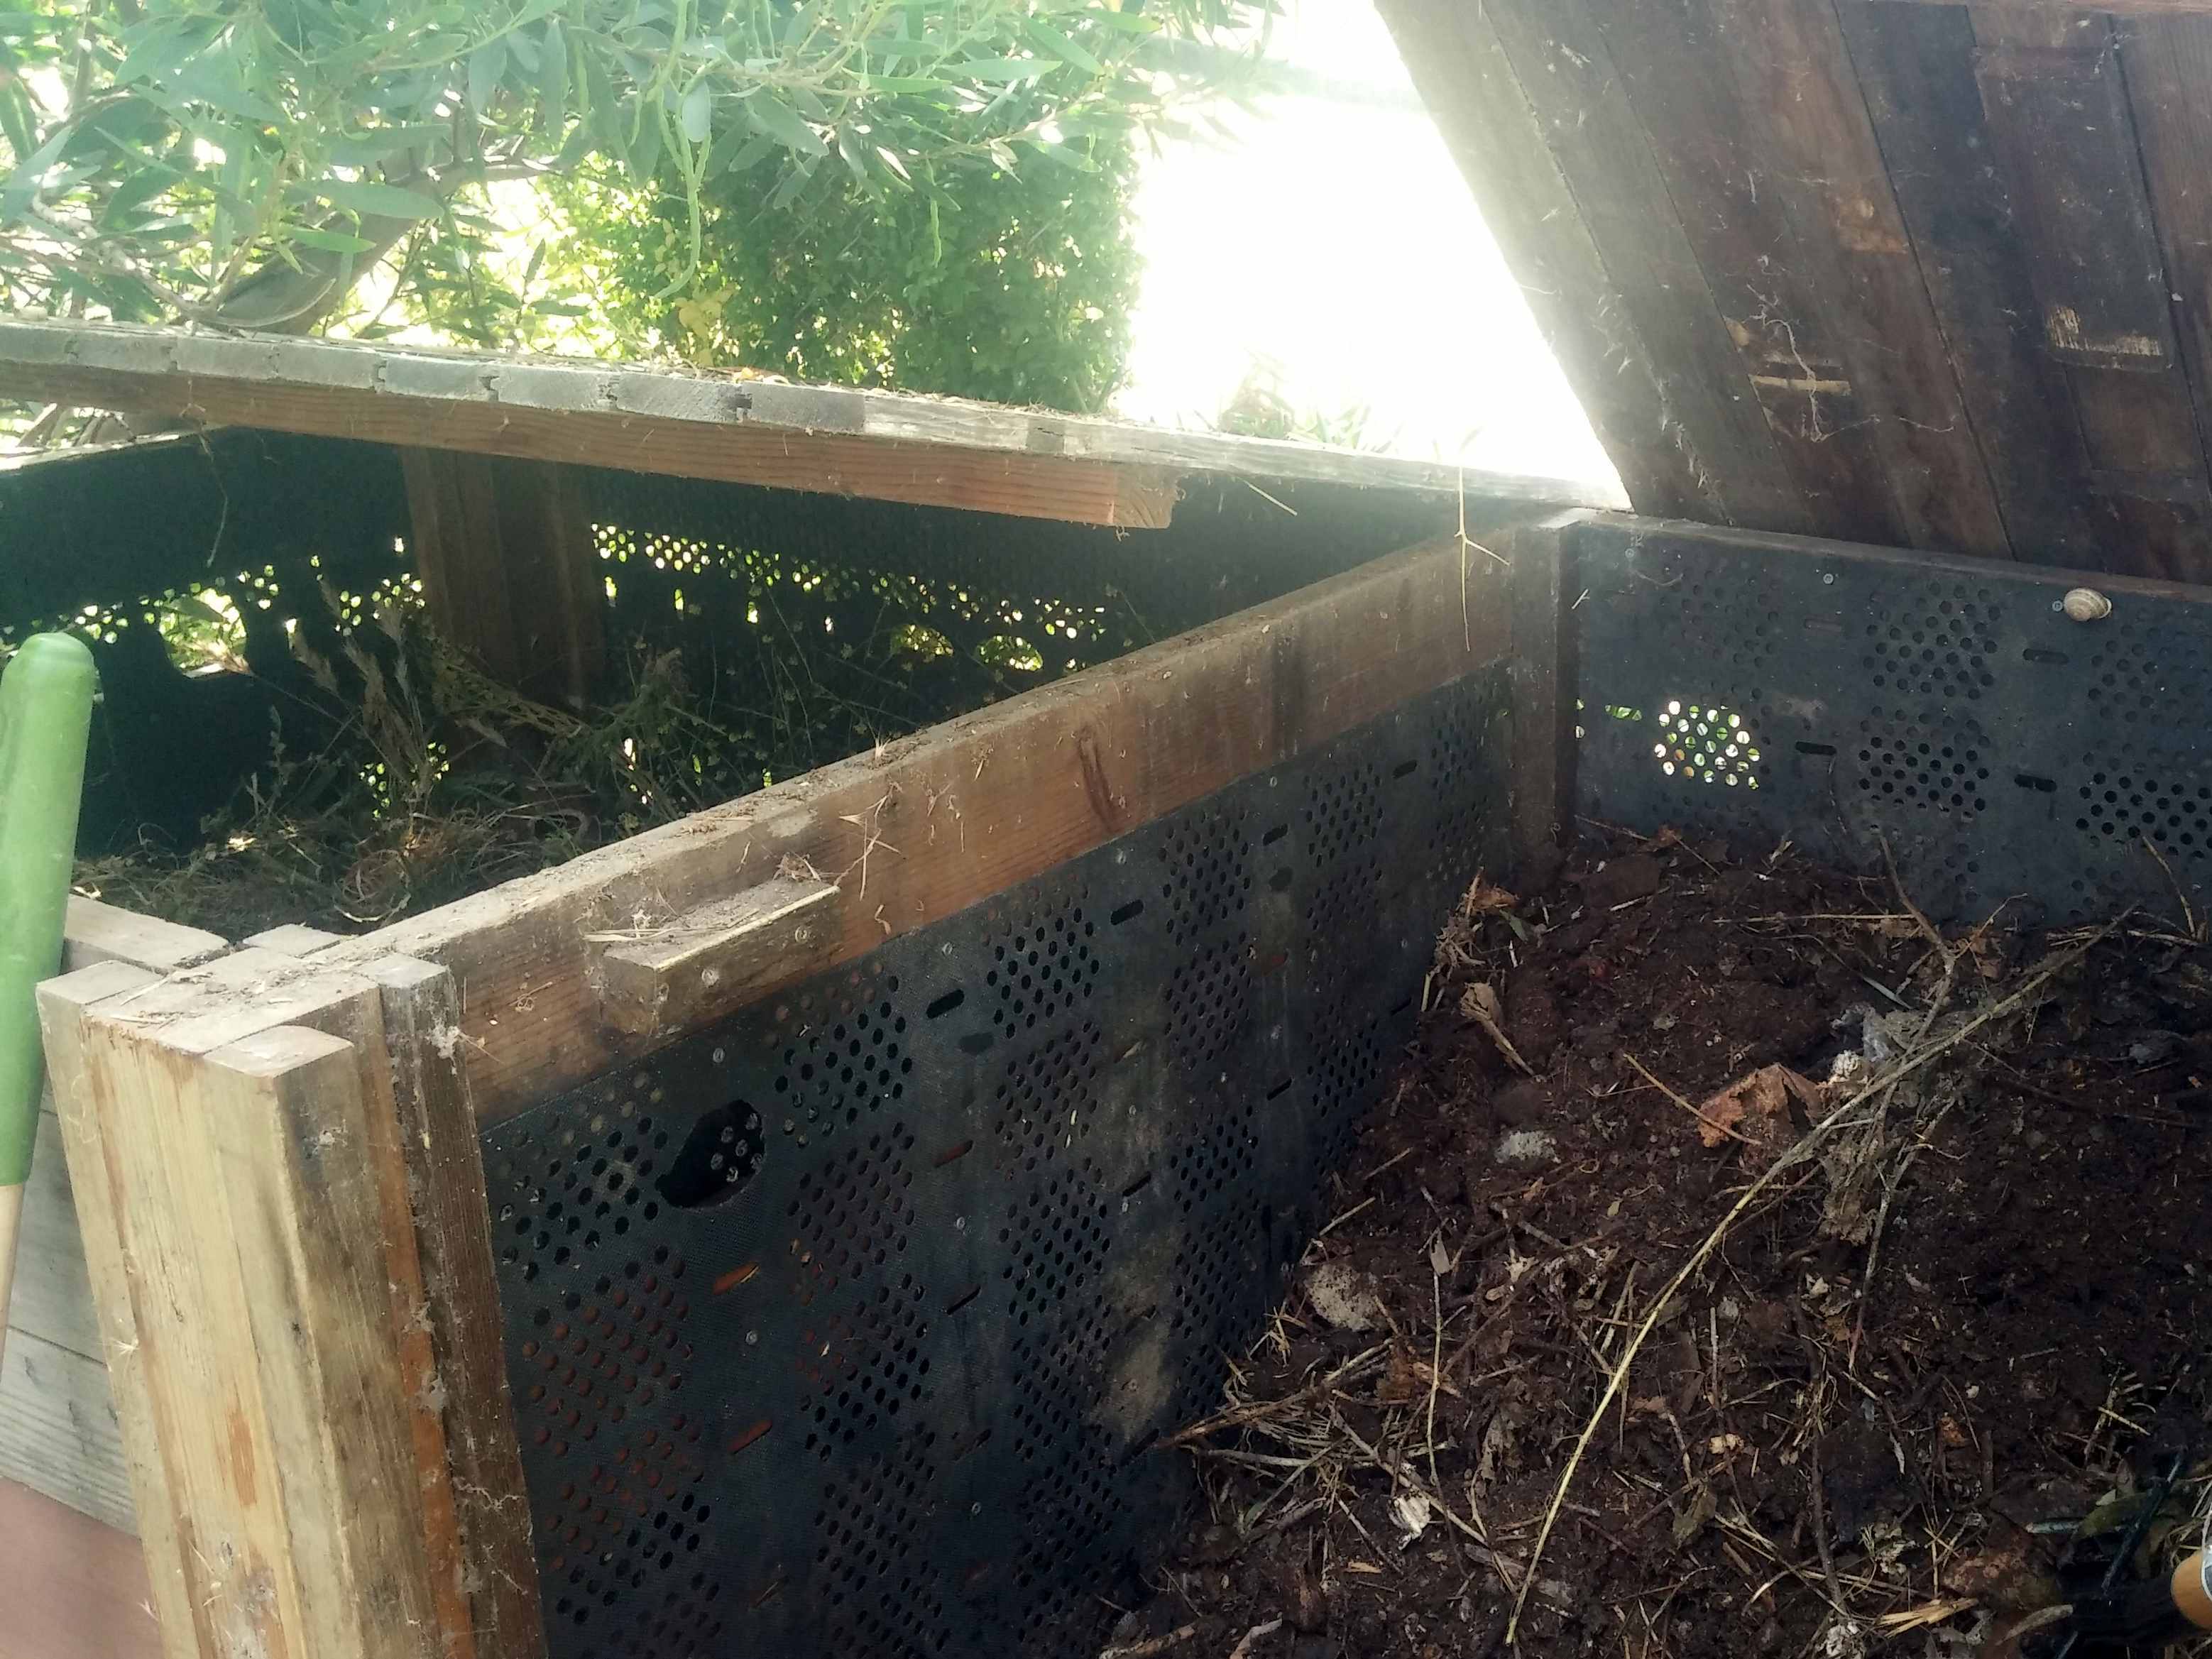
[(1698, 1258), (1252, 1638), (2181, 893), (1714, 1124), (1174, 1639)]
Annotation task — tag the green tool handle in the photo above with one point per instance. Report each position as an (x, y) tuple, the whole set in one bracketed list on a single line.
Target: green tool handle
[(46, 716)]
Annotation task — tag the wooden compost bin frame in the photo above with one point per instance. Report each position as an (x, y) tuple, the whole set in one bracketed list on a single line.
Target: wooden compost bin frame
[(276, 1152)]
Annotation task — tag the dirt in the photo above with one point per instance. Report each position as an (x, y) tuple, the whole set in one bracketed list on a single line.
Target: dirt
[(1837, 1433)]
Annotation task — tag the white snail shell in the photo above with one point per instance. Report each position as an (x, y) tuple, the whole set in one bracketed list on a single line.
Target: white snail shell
[(2085, 604)]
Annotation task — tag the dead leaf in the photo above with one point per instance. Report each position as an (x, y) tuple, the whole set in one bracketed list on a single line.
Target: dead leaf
[(1363, 1567), (1441, 1261), (1414, 1512), (1482, 897), (1480, 1003), (1755, 1108), (1405, 1379), (1702, 1507), (1344, 1297)]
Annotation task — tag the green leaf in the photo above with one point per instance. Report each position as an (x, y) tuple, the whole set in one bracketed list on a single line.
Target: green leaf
[(849, 152), (553, 75), (334, 241), (696, 114), (487, 66), (18, 120), (373, 200), (1052, 41), (153, 49), (361, 150), (1003, 72), (771, 115)]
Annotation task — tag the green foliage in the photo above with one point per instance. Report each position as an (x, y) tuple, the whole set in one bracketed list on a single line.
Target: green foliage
[(247, 164), (1014, 286)]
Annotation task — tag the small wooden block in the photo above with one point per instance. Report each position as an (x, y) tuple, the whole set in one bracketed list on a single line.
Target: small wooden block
[(96, 933), (294, 940), (721, 957)]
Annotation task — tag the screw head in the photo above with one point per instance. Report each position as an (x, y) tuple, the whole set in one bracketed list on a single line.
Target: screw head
[(1827, 579)]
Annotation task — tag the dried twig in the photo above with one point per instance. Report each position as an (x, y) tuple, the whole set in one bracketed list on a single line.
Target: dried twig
[(1796, 1154), (1145, 1649), (1251, 1639), (1712, 1123)]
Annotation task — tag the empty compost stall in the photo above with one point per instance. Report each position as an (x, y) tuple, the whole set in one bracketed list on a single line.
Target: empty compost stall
[(1172, 823)]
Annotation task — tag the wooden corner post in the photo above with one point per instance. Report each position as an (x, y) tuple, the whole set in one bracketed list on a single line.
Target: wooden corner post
[(257, 1178), (1545, 673)]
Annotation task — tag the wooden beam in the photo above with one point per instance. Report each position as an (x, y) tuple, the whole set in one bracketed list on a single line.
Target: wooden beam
[(922, 828), (1495, 133), (721, 955), (929, 450), (2124, 8), (294, 1485), (93, 932), (504, 549)]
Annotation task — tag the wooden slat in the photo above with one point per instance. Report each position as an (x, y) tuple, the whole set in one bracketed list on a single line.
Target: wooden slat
[(923, 828), (73, 1588), (1915, 65), (2124, 8), (435, 1128), (93, 932), (2168, 64), (933, 452), (52, 1298), (61, 1017), (722, 956), (1814, 140), (1456, 58), (58, 1431), (1673, 60), (509, 570), (2062, 134)]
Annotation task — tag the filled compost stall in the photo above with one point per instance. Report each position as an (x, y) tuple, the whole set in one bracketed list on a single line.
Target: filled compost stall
[(801, 1220)]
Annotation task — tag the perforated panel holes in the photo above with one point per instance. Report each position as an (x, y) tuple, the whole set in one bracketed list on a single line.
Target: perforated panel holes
[(2176, 817), (1209, 999), (633, 1522), (868, 1532), (722, 1153), (1706, 743), (1207, 880), (1054, 1241), (1944, 654), (832, 1077), (853, 1214), (1044, 1098), (1941, 768), (1043, 968), (1343, 811), (566, 1195), (606, 1354), (866, 1364)]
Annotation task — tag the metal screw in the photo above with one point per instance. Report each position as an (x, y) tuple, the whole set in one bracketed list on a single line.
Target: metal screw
[(1827, 579), (1121, 855), (1272, 783), (974, 1509), (945, 949), (959, 1224), (752, 1339)]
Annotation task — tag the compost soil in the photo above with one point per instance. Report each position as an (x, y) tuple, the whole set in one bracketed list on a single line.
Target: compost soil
[(1838, 1432)]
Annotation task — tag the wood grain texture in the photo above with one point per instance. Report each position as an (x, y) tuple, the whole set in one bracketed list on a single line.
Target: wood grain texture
[(2063, 138), (436, 1130), (509, 570), (934, 452), (919, 829), (59, 1434), (73, 1587), (93, 932), (53, 1288), (1543, 590), (1460, 65), (1916, 69), (721, 955), (298, 1490), (1811, 135)]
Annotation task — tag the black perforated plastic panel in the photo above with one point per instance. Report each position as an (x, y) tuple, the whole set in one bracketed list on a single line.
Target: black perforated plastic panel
[(1839, 697), (845, 1326)]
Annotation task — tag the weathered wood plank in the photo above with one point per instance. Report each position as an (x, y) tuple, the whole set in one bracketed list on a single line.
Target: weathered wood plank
[(434, 1125), (920, 828), (58, 1430), (53, 1287), (2062, 131), (722, 955), (1457, 60), (2124, 8), (93, 932), (509, 570), (1916, 68), (71, 1585), (1812, 136), (2168, 64), (1673, 60), (933, 452)]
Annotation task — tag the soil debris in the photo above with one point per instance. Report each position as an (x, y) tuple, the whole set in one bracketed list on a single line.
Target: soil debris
[(1931, 1202)]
